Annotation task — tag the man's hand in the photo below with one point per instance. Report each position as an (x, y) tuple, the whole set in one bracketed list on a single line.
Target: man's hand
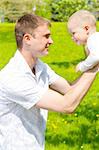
[(78, 67)]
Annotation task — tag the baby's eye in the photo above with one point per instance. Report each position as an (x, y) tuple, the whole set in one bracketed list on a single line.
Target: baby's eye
[(73, 33)]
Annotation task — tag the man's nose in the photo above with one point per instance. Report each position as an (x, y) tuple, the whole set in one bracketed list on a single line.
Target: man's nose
[(50, 41)]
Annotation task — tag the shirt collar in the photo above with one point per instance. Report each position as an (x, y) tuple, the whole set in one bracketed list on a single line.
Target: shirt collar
[(24, 67)]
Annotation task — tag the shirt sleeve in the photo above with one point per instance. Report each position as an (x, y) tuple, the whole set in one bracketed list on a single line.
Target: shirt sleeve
[(24, 92), (52, 76)]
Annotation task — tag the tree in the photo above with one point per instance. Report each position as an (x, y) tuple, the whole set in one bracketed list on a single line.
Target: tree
[(62, 9), (12, 9)]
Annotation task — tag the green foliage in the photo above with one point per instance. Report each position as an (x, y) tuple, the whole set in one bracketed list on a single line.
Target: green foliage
[(12, 10), (57, 10), (80, 130), (62, 9), (43, 8)]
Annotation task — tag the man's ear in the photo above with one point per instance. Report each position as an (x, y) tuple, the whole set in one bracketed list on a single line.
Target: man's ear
[(27, 37)]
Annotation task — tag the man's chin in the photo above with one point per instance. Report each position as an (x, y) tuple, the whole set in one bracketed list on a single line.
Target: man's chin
[(44, 54)]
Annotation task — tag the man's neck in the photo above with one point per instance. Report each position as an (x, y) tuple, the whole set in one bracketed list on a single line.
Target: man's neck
[(29, 59)]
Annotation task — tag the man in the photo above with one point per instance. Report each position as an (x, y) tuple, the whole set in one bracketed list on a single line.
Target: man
[(29, 87)]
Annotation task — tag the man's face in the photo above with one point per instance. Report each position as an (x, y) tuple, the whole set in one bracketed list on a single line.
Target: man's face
[(40, 41)]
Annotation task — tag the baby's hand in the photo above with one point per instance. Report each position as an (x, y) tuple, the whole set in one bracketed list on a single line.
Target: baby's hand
[(78, 67), (98, 67)]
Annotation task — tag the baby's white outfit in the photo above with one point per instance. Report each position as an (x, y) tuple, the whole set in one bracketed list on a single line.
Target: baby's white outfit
[(93, 57)]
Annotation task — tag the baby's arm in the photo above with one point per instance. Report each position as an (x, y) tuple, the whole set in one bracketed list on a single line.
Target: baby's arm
[(92, 50), (88, 63)]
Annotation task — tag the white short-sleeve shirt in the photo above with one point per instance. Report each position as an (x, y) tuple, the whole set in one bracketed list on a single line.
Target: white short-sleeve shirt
[(22, 125)]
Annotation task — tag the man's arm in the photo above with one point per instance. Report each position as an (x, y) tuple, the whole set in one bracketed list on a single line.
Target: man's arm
[(61, 85), (67, 103)]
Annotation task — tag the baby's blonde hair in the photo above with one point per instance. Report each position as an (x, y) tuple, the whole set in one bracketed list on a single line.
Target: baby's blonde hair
[(83, 16)]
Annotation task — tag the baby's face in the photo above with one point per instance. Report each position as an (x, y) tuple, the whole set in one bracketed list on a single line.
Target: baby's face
[(79, 34)]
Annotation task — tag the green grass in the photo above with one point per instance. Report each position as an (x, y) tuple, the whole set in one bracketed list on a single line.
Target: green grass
[(7, 43), (80, 130)]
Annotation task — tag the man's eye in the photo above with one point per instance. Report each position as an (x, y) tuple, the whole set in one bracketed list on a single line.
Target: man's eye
[(47, 36)]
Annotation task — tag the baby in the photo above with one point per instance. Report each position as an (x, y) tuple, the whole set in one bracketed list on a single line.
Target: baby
[(82, 26)]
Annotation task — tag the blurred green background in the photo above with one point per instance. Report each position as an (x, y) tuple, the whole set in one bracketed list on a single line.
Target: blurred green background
[(55, 10)]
